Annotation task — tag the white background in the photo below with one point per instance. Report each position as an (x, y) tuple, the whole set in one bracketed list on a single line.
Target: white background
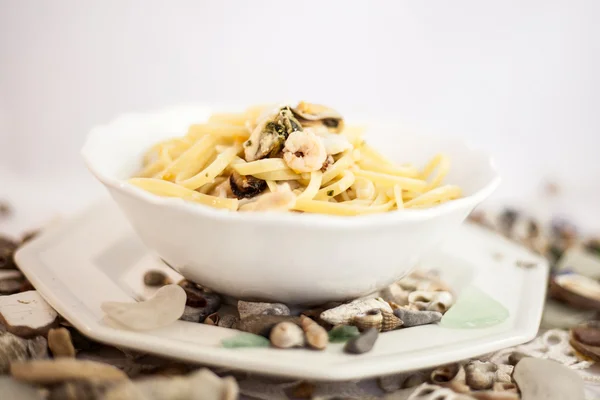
[(519, 78)]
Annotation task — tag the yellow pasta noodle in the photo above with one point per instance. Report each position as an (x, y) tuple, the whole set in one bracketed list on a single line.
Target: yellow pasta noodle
[(249, 155)]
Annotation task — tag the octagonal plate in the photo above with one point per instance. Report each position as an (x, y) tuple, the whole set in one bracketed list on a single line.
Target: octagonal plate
[(96, 257)]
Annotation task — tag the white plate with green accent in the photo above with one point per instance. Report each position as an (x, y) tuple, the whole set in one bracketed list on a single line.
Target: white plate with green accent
[(96, 257)]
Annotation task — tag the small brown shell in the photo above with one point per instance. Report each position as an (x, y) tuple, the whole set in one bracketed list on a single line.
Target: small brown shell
[(316, 335), (382, 320)]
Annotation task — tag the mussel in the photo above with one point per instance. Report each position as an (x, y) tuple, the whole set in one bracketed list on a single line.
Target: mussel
[(246, 186), (310, 114), (269, 136)]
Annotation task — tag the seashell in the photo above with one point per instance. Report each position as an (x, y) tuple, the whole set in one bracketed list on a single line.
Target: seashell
[(14, 348), (286, 334), (27, 314), (316, 335), (395, 294), (383, 321), (59, 370), (246, 186), (431, 301), (423, 281), (545, 379), (7, 252), (310, 114), (344, 314), (585, 339), (270, 133), (576, 290), (156, 278), (414, 318), (59, 342), (12, 389), (480, 375), (165, 307), (363, 343), (262, 324), (212, 319), (433, 392), (315, 314), (204, 301), (452, 376), (246, 308)]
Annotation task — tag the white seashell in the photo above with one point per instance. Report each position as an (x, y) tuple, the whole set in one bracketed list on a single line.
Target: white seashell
[(164, 308), (431, 301), (344, 314), (395, 294), (580, 285), (286, 334), (26, 314), (334, 143)]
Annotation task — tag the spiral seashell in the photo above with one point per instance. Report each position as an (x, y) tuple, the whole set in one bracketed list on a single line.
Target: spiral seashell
[(451, 376), (383, 321)]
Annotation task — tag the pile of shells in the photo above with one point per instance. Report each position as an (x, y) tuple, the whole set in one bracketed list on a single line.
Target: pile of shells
[(420, 298), (574, 282)]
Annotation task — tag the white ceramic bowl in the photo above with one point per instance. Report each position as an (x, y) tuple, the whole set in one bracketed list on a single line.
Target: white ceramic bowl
[(288, 257)]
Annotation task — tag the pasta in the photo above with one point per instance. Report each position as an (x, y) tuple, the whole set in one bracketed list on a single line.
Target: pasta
[(300, 159)]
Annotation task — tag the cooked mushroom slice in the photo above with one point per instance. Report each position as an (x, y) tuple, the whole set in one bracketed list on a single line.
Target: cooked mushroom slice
[(270, 134), (246, 186), (310, 114)]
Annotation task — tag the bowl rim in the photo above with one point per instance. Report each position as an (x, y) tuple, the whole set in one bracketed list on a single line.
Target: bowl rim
[(271, 218)]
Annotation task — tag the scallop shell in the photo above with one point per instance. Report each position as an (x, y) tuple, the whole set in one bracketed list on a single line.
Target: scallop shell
[(383, 321), (344, 314)]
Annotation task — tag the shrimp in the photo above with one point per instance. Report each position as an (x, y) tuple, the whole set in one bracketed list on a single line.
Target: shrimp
[(304, 151)]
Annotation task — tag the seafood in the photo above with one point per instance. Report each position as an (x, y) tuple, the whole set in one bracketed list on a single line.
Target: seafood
[(334, 144), (14, 348), (344, 314), (310, 114), (268, 137), (304, 151), (415, 318), (247, 308), (376, 318), (286, 334), (364, 190), (27, 314), (363, 343), (164, 308), (431, 301), (276, 201), (246, 186), (316, 335)]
